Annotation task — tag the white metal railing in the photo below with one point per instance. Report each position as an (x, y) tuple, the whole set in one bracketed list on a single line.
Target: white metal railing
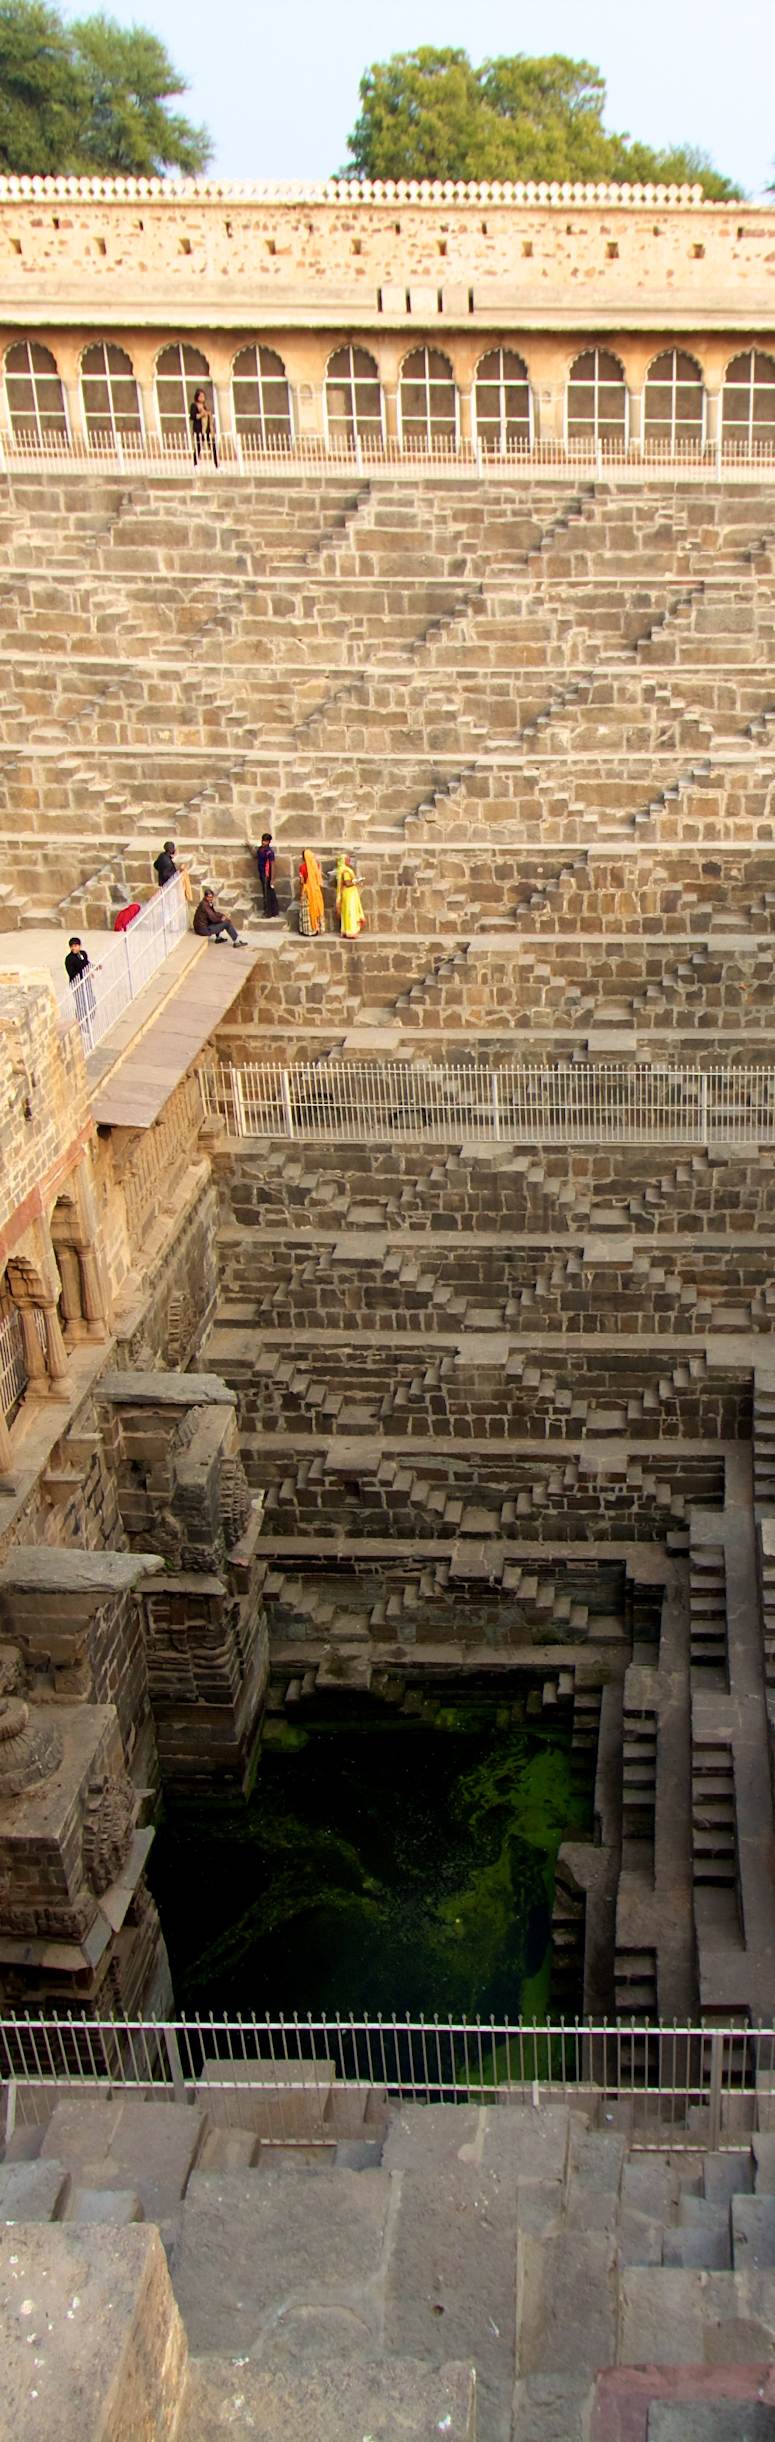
[(704, 2086), (583, 1103), (726, 461), (98, 999)]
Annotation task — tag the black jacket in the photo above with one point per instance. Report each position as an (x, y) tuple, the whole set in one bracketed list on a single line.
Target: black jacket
[(164, 867)]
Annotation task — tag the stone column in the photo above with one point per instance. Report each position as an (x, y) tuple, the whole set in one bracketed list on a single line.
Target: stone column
[(92, 1301), (390, 396), (75, 416), (712, 418), (143, 353), (465, 416), (70, 1276), (6, 1462), (56, 1352), (68, 355), (635, 420), (34, 1357), (219, 356)]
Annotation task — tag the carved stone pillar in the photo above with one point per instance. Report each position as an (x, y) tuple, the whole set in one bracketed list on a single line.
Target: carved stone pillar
[(56, 1352), (465, 417), (712, 418), (34, 1354), (6, 1461), (70, 1276), (635, 421), (92, 1302), (390, 395)]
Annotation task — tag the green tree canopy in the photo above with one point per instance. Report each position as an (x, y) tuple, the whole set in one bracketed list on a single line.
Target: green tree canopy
[(430, 114), (89, 99)]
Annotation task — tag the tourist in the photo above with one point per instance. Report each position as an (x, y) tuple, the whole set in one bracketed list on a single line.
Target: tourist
[(312, 914), (202, 427), (265, 860), (79, 970), (349, 905), (211, 923), (164, 865)]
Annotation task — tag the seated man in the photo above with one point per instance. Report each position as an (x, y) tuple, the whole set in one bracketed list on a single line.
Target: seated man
[(210, 921)]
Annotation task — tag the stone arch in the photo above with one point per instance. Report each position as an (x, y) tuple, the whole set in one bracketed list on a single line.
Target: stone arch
[(261, 398), (34, 395), (23, 1342), (352, 397), (674, 403), (109, 394), (503, 403), (596, 407), (428, 408), (180, 370), (748, 404), (80, 1303)]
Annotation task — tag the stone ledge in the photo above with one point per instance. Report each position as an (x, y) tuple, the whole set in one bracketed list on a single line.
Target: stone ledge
[(165, 1390)]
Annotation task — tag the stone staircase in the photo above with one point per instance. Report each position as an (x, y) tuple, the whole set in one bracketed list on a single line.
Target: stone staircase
[(340, 2266)]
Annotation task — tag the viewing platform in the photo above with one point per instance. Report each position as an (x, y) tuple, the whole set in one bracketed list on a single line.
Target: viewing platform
[(146, 1007)]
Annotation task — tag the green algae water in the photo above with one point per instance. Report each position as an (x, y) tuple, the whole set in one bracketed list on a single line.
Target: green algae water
[(383, 1862)]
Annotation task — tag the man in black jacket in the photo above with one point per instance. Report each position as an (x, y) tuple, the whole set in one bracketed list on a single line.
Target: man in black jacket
[(164, 865)]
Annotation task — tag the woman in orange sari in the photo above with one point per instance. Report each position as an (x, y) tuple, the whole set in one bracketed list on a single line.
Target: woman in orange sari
[(312, 915), (349, 905)]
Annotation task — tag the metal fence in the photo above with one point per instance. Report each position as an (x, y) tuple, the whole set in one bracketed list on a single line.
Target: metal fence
[(98, 999), (617, 461), (582, 1103), (687, 2086)]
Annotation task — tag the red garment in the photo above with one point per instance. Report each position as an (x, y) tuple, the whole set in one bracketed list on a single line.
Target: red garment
[(126, 915)]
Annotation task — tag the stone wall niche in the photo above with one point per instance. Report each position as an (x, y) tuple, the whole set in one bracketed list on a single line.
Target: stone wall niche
[(182, 1490), (78, 1927)]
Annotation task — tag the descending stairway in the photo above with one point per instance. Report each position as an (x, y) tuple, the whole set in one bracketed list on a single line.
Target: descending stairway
[(341, 2268)]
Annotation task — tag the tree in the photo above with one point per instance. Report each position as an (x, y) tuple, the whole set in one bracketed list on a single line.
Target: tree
[(429, 114), (89, 99)]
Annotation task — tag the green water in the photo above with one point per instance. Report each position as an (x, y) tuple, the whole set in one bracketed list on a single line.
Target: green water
[(384, 1862)]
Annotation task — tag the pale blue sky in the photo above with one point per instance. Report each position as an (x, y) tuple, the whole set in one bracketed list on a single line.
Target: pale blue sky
[(277, 84)]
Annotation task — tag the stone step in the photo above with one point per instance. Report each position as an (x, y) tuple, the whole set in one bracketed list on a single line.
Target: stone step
[(307, 2243), (693, 2420), (92, 2341), (567, 2293), (449, 2282), (124, 2142), (553, 2408), (673, 2317), (335, 2401), (753, 2233)]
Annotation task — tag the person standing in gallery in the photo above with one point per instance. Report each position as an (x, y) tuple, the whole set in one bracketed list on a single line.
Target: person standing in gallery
[(312, 914), (202, 424)]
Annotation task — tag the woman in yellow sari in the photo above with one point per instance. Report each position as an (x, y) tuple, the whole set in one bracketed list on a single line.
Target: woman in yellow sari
[(349, 905), (312, 916)]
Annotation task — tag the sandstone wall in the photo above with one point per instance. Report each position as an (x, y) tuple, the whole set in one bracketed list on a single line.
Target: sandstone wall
[(237, 255)]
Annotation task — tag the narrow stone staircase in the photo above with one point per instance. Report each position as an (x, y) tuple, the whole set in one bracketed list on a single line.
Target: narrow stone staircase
[(340, 2268)]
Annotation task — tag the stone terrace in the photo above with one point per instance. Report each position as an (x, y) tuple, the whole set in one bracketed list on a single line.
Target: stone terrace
[(505, 1416)]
